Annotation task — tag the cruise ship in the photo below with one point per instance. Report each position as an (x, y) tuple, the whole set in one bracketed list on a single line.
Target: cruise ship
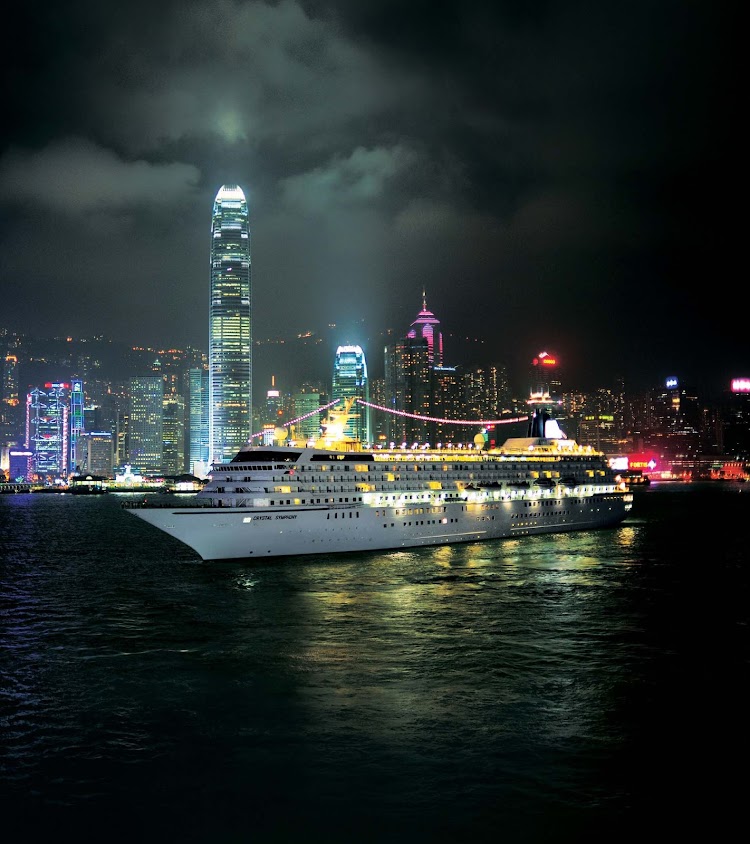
[(281, 500)]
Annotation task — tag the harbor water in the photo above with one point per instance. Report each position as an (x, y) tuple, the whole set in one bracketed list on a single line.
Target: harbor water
[(564, 688)]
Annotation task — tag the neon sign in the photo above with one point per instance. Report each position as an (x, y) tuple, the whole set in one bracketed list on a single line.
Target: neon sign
[(741, 385), (545, 360), (671, 383)]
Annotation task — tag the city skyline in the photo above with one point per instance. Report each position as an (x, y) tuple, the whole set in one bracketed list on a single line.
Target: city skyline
[(552, 177)]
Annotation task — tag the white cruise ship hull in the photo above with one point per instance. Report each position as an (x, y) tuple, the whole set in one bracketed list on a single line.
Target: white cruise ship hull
[(238, 533)]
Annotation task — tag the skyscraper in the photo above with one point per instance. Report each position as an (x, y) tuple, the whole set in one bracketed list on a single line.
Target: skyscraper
[(427, 326), (47, 430), (76, 421), (173, 434), (146, 428), (198, 461), (350, 382), (230, 326)]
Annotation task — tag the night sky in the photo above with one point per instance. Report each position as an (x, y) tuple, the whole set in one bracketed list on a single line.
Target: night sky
[(558, 176)]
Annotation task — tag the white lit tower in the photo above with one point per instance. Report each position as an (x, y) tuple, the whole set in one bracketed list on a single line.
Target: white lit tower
[(230, 327)]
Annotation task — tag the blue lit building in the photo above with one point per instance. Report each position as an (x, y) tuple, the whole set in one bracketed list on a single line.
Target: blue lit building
[(230, 326), (20, 465), (350, 381), (76, 421), (198, 456)]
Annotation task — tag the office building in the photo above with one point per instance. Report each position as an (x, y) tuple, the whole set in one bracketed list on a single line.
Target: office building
[(198, 456), (350, 382), (173, 434), (76, 421), (307, 404), (145, 424), (47, 431), (230, 326), (96, 452), (427, 327)]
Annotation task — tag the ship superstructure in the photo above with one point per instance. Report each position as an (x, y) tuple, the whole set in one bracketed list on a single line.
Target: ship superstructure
[(284, 500)]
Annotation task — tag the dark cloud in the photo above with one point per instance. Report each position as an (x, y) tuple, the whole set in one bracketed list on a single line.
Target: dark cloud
[(553, 174)]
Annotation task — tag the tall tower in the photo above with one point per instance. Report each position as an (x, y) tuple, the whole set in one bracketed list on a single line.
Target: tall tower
[(350, 381), (198, 460), (427, 326), (230, 383), (76, 421)]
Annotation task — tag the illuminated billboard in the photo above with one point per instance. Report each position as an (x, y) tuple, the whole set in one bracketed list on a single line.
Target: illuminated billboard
[(644, 461), (741, 385)]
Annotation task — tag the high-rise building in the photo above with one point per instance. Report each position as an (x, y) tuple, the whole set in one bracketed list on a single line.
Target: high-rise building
[(77, 426), (145, 424), (350, 382), (173, 434), (198, 459), (96, 453), (230, 326), (9, 384), (545, 395), (446, 404), (545, 376), (413, 376), (272, 411), (11, 410), (307, 404), (47, 431), (427, 326)]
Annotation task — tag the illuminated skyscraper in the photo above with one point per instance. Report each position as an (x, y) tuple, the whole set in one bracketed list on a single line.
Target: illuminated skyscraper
[(427, 326), (545, 377), (230, 327), (146, 426), (76, 421), (47, 430), (9, 385), (350, 381), (173, 434), (95, 453), (306, 405), (198, 460)]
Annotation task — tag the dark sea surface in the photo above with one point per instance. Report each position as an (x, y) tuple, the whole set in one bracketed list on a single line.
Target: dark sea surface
[(566, 688)]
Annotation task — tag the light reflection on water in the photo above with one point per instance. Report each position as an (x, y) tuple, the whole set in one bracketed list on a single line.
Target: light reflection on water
[(440, 694)]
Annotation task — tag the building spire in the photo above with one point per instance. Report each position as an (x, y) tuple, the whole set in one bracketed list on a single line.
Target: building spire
[(424, 299)]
